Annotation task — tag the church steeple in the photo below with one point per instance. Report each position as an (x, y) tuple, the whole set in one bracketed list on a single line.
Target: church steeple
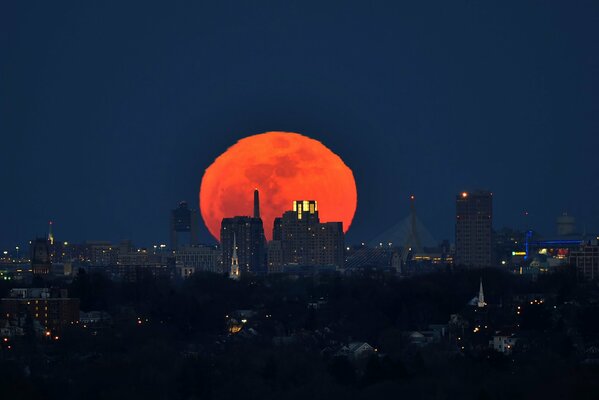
[(481, 295), (50, 234), (234, 270)]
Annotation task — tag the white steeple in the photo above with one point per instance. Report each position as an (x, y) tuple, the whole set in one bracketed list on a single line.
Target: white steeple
[(234, 271), (50, 234), (481, 295)]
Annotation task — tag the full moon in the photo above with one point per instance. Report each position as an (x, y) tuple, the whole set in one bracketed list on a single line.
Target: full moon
[(283, 166)]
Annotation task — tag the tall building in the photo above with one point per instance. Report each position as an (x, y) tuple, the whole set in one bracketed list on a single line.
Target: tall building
[(247, 235), (473, 229), (307, 241), (40, 257), (184, 221)]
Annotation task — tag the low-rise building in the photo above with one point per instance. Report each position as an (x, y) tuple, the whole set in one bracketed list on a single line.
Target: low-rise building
[(52, 308), (503, 342), (586, 260)]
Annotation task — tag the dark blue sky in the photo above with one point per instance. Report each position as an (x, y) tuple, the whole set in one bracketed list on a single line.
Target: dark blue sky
[(111, 112)]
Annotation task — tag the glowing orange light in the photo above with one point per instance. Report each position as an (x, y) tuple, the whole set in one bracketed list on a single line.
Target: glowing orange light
[(284, 167)]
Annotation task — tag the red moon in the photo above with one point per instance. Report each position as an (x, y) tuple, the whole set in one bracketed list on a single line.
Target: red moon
[(283, 166)]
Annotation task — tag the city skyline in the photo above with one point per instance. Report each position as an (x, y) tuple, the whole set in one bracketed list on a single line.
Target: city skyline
[(299, 200), (551, 222)]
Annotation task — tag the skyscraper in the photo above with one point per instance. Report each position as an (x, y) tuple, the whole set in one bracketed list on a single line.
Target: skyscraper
[(40, 257), (183, 221), (473, 231), (246, 234), (307, 241)]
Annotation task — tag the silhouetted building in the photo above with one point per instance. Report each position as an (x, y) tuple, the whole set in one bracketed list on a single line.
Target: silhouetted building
[(474, 224), (246, 236), (566, 225), (276, 230), (140, 264), (274, 256), (183, 221), (307, 241), (40, 257)]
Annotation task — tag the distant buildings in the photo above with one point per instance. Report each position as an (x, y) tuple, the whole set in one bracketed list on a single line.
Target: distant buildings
[(199, 258), (247, 235), (586, 260), (474, 223), (134, 265), (359, 259), (184, 221)]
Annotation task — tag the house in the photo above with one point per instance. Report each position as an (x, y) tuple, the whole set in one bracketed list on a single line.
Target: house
[(503, 342), (356, 350)]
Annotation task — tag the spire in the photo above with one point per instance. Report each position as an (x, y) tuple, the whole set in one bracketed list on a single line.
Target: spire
[(50, 235), (481, 295), (234, 270), (256, 204)]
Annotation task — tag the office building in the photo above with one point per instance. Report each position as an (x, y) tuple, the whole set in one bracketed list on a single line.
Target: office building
[(307, 241), (474, 225), (199, 258), (40, 257), (183, 226)]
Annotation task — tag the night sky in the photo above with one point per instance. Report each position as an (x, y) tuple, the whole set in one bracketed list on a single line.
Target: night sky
[(109, 113)]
